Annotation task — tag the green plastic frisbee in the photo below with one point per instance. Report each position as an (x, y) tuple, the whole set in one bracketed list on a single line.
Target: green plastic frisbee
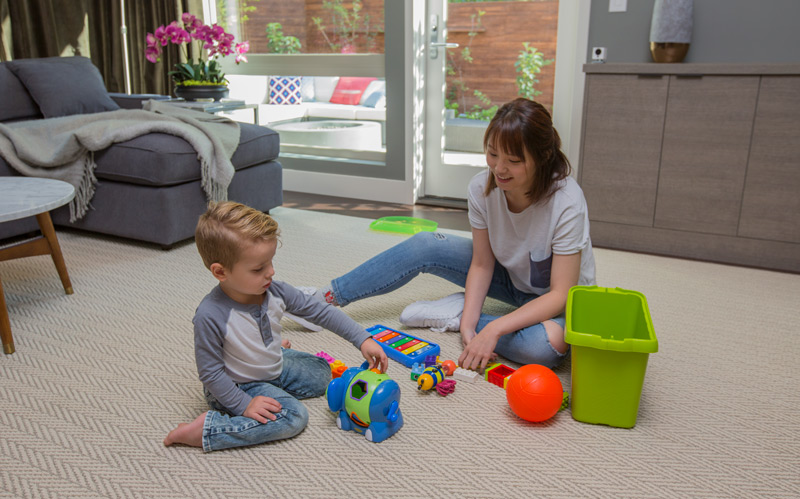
[(403, 225)]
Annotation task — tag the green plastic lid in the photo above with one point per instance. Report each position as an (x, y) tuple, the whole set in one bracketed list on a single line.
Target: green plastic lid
[(609, 319), (403, 225)]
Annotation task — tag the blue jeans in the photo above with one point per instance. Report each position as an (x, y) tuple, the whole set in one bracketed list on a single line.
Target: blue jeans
[(448, 257), (303, 376)]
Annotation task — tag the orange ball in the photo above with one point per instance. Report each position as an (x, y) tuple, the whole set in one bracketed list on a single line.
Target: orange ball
[(449, 367), (534, 393)]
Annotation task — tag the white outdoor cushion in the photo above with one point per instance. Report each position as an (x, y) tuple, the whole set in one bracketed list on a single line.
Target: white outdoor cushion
[(328, 110), (307, 89), (271, 113), (371, 114), (324, 87), (249, 88)]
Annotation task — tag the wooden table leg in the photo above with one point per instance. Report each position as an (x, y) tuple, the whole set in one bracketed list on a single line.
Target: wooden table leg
[(5, 324), (46, 226)]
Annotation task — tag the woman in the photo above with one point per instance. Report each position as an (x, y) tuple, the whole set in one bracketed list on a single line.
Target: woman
[(530, 244)]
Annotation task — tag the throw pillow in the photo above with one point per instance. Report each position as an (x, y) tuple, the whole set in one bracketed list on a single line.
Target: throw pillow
[(285, 90), (374, 86), (63, 86), (376, 100), (16, 103), (349, 89), (307, 89), (324, 87)]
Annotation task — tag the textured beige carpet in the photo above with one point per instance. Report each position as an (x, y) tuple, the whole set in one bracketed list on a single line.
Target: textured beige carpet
[(101, 376)]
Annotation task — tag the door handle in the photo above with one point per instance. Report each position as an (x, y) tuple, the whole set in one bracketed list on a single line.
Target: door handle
[(435, 43)]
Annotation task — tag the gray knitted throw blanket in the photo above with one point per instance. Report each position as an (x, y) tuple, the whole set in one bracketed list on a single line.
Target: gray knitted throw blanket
[(62, 148)]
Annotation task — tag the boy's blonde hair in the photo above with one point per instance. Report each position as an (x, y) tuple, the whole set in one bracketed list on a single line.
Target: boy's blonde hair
[(225, 228)]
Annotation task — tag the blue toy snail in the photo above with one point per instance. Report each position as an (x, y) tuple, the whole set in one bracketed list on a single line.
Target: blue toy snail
[(367, 403)]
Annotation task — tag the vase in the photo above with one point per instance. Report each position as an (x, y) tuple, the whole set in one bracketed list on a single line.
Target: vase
[(195, 92), (671, 30)]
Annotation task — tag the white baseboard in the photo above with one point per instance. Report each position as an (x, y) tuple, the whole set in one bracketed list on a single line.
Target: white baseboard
[(348, 186)]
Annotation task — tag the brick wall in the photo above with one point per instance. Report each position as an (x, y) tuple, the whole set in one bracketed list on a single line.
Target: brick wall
[(506, 25), (296, 20)]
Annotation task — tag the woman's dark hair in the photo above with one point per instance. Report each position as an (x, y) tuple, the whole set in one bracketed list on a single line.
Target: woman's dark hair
[(521, 126)]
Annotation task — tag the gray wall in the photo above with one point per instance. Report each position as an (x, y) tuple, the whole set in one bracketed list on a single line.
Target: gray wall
[(724, 31)]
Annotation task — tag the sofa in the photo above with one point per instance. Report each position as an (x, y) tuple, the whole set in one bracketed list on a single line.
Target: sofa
[(148, 188), (281, 98)]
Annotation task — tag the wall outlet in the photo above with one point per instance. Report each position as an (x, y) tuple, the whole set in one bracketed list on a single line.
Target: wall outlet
[(617, 5), (598, 54)]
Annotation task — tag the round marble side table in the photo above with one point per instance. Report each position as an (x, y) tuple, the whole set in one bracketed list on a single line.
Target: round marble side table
[(22, 197)]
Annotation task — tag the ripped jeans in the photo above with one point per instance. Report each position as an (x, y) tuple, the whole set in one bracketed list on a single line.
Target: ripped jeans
[(448, 257)]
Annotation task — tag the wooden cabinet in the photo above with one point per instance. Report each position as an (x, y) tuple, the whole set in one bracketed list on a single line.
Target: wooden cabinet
[(771, 200), (623, 123), (694, 160)]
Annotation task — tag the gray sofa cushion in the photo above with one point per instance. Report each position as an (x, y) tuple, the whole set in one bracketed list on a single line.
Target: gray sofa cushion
[(162, 160), (16, 103), (63, 86)]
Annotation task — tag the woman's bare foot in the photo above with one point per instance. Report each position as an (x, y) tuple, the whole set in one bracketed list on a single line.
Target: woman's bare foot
[(187, 433)]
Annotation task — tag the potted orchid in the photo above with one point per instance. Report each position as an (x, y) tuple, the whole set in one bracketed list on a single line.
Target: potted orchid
[(202, 78)]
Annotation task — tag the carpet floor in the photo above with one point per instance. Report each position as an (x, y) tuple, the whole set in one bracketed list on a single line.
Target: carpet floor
[(101, 376)]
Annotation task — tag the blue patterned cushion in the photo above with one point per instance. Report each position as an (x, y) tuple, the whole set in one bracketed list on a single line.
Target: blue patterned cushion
[(285, 90)]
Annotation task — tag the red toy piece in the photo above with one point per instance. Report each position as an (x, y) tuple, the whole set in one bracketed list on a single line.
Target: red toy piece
[(446, 387), (534, 393), (498, 374)]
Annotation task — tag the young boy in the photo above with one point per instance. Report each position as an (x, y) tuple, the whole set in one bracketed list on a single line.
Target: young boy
[(251, 382)]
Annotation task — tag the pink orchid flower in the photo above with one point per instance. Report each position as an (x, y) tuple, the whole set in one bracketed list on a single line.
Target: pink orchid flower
[(241, 49)]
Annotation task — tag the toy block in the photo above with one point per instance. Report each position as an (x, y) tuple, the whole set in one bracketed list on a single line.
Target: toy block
[(498, 374), (337, 368), (462, 374), (416, 370), (325, 356)]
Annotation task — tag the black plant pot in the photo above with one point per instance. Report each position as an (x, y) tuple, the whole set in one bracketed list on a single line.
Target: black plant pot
[(194, 92)]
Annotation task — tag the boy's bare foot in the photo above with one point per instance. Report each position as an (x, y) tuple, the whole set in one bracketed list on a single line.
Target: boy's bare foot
[(187, 433)]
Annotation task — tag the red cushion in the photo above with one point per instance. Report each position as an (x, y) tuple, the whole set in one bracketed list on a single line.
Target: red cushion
[(349, 89)]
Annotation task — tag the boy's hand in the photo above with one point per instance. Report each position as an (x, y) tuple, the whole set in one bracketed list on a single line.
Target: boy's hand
[(374, 355), (286, 344), (262, 408)]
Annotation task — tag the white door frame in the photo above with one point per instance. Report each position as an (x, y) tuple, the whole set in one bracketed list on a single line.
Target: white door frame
[(572, 42)]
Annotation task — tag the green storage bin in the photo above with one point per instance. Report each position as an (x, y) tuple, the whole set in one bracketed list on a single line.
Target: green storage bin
[(611, 336)]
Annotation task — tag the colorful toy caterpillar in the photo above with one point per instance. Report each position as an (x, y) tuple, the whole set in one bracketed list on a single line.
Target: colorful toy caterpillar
[(367, 402), (430, 377)]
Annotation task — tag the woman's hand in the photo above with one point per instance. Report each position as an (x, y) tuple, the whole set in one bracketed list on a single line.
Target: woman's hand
[(262, 408), (466, 336), (374, 355), (479, 350)]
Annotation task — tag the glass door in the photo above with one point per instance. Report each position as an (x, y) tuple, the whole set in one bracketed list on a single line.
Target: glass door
[(480, 55)]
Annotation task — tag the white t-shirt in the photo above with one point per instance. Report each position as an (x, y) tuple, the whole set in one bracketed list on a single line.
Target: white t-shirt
[(524, 242)]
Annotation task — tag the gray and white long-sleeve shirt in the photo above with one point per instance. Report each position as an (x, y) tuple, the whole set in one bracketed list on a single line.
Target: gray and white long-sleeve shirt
[(236, 343)]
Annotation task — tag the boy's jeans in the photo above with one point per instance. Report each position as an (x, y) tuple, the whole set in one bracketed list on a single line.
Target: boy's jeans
[(448, 257), (303, 376)]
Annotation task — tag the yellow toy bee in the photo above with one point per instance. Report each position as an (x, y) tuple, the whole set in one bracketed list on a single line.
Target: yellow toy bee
[(430, 377)]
